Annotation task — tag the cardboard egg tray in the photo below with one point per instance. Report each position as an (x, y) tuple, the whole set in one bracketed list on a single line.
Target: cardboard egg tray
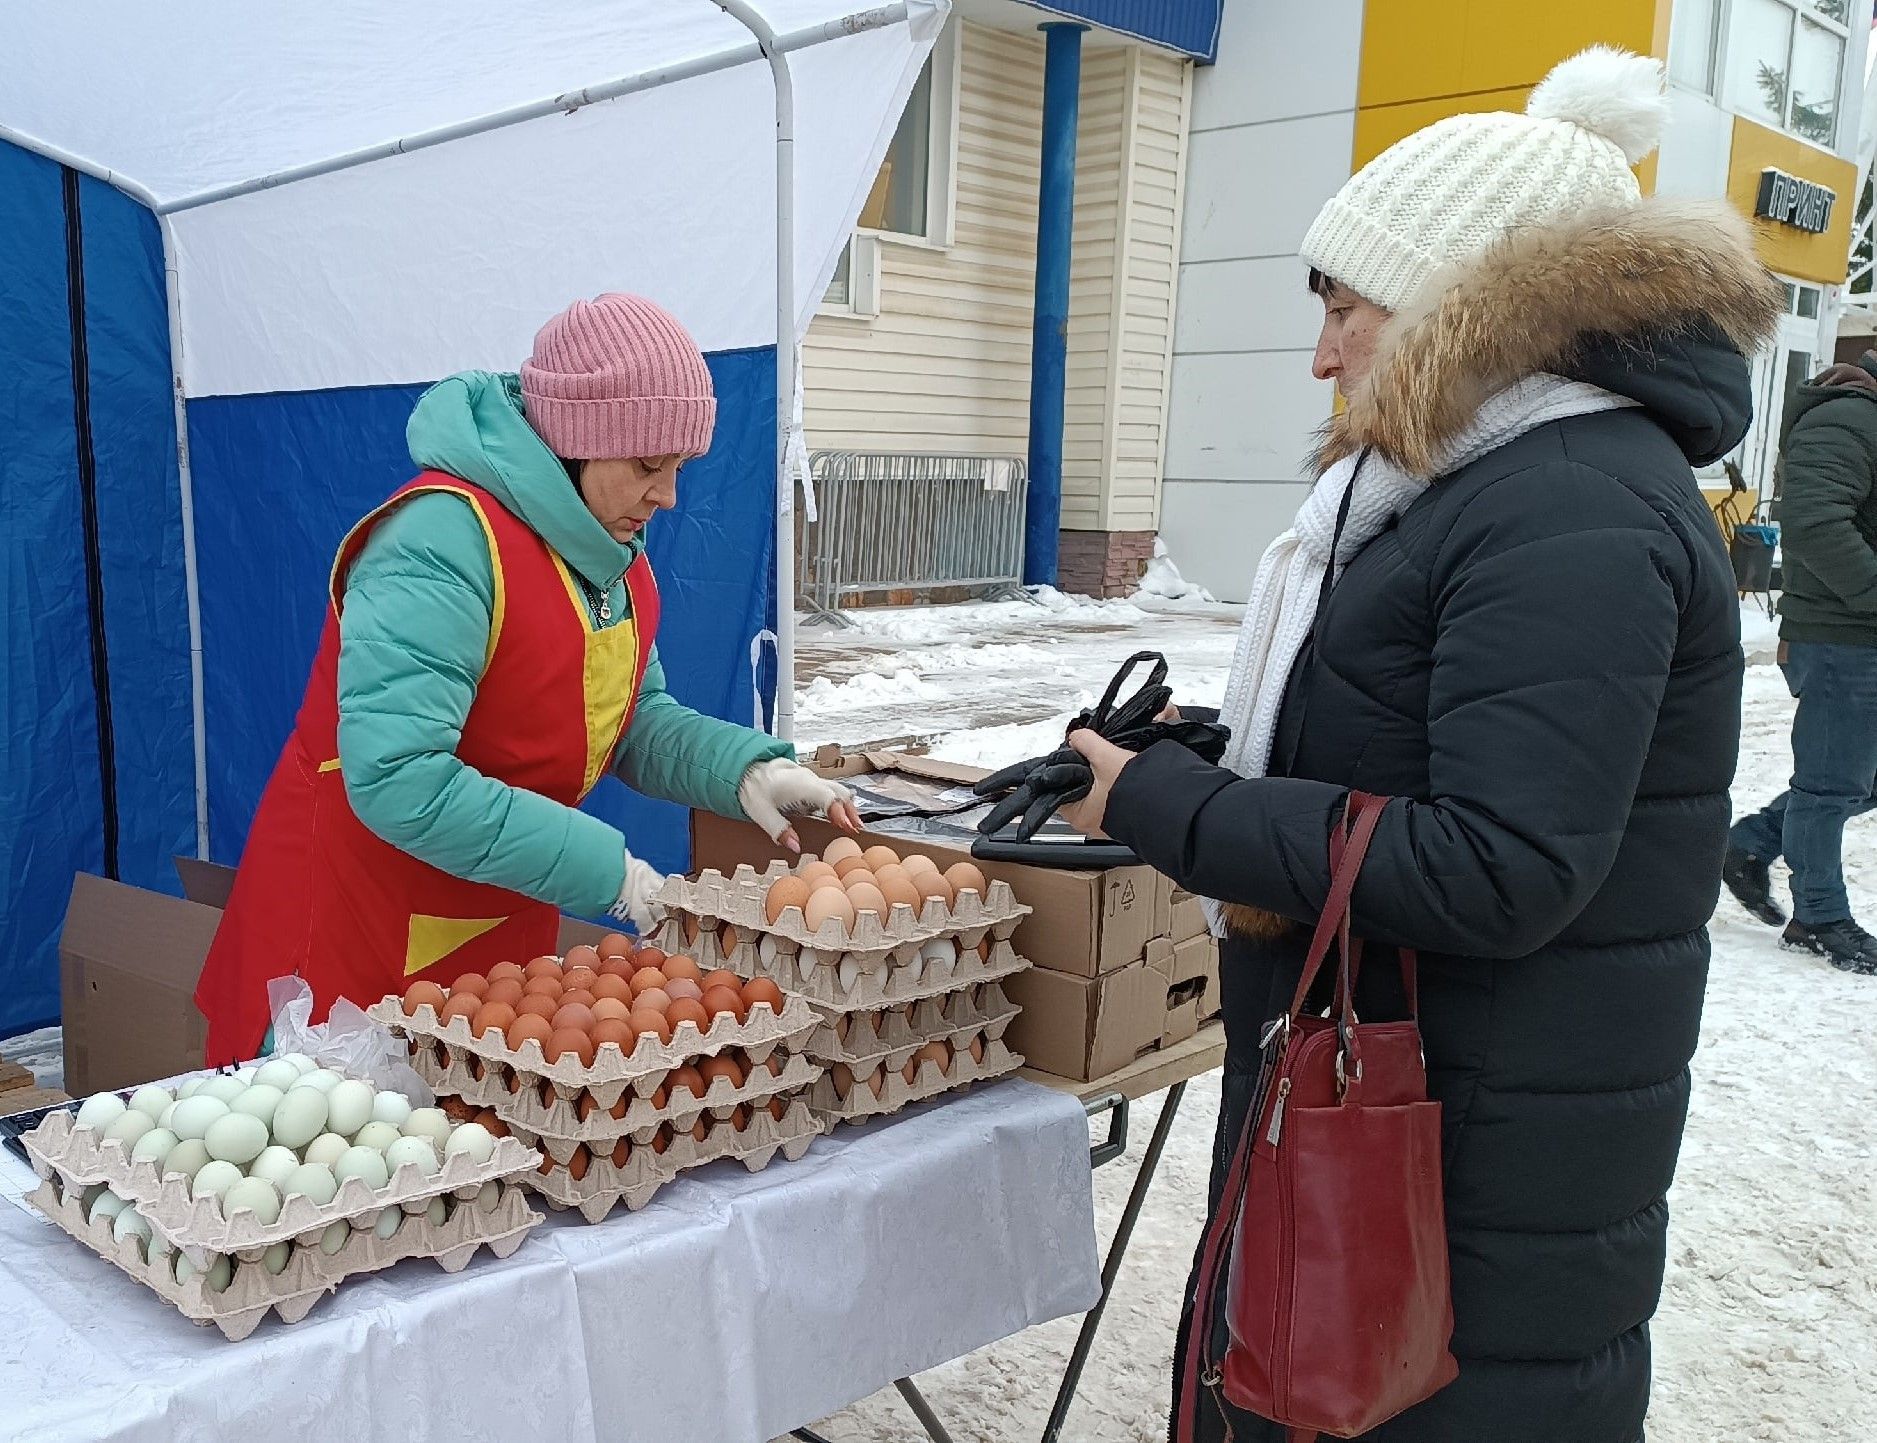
[(849, 984), (860, 1104), (604, 1187), (560, 1117), (739, 901), (310, 1273), (958, 1016), (612, 1072), (198, 1226)]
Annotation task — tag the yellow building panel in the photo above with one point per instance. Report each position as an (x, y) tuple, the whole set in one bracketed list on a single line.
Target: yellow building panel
[(1379, 127), (1784, 248)]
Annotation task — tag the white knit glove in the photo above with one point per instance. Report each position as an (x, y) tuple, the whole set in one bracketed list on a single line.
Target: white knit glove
[(635, 904), (771, 790)]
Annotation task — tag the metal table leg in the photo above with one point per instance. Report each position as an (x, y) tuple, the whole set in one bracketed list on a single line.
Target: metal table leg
[(922, 1410)]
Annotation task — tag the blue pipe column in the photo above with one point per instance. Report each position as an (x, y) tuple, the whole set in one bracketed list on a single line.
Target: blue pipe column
[(1049, 338)]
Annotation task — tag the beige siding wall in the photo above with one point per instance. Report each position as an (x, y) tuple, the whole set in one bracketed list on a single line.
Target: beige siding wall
[(945, 366)]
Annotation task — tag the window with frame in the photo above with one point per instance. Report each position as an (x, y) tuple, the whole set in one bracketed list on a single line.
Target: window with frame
[(1695, 43), (1785, 64)]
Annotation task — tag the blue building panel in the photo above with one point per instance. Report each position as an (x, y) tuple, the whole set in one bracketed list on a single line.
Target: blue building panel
[(1189, 26)]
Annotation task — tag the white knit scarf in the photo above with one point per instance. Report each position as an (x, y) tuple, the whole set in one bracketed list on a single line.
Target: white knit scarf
[(1284, 597)]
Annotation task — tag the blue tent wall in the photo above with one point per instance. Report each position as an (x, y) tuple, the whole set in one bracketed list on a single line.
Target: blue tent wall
[(278, 480), (51, 801)]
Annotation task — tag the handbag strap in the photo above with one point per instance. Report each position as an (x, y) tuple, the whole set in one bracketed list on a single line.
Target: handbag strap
[(1362, 815)]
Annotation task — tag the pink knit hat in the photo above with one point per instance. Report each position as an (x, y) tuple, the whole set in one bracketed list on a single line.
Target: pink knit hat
[(616, 377)]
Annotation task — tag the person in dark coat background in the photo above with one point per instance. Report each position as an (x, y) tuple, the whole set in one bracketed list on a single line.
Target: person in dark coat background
[(1529, 638)]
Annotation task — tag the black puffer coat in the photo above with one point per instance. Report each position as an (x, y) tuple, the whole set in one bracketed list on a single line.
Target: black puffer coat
[(1542, 660)]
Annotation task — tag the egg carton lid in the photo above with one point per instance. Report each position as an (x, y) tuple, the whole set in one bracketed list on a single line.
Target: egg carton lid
[(643, 1069), (932, 1019), (837, 987), (561, 1150), (561, 1117), (198, 1224), (860, 1103), (645, 1172), (310, 1273), (739, 899)]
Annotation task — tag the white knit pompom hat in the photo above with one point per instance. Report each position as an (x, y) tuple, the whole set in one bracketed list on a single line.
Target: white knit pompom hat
[(1451, 190)]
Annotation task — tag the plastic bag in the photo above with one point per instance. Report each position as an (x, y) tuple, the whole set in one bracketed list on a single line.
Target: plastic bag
[(348, 1041)]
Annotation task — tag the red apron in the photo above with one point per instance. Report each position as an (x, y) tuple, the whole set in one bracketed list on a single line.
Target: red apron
[(321, 895)]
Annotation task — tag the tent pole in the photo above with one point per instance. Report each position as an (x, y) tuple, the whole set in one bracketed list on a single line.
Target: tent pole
[(185, 487)]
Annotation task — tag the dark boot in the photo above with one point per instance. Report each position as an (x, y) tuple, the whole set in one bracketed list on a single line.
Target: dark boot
[(1847, 946), (1751, 882)]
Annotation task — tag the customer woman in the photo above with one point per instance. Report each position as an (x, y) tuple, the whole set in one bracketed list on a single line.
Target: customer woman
[(488, 656), (1506, 606)]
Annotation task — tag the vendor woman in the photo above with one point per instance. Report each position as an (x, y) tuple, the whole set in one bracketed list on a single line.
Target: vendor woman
[(488, 656)]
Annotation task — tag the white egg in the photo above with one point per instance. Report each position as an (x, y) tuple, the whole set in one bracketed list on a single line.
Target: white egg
[(321, 1078), (159, 1248), (154, 1146), (128, 1126), (245, 1075), (412, 1150), (334, 1238), (256, 1195), (379, 1135), (215, 1179), (849, 973), (438, 1212), (168, 1113), (385, 1224), (276, 1164), (236, 1138), (223, 1089), (193, 1117), (132, 1224), (391, 1107), (430, 1122), (151, 1099), (278, 1073), (259, 1101), (221, 1271), (348, 1106), (362, 1162), (299, 1062), (327, 1148), (940, 952), (488, 1196), (766, 951), (275, 1258), (299, 1117), (472, 1138), (313, 1180), (89, 1196), (107, 1204), (190, 1088), (100, 1110), (188, 1157)]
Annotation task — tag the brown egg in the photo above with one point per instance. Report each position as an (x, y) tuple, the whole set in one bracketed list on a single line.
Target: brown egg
[(761, 992), (525, 1027), (885, 874), (839, 850), (652, 999), (615, 944), (713, 1068), (828, 905), (546, 1093), (491, 1017), (858, 876), (620, 967), (422, 994), (661, 1139), (654, 1023), (984, 948), (964, 877), (537, 1004), (570, 1042), (544, 985), (932, 1052), (878, 857), (876, 1080), (689, 1078), (585, 1107), (692, 925), (504, 989), (577, 997), (622, 1152), (931, 884), (649, 957), (542, 967), (977, 1048), (617, 1110), (645, 979), (847, 866), (681, 989), (815, 873), (918, 862), (866, 897), (457, 1110), (687, 1009), (607, 1007), (700, 1131), (778, 1109), (682, 969), (722, 977), (740, 1118), (574, 1017), (726, 940), (843, 1076), (547, 1165), (581, 978), (773, 1066), (719, 1000), (786, 892), (577, 1164), (611, 984), (471, 982), (507, 970), (466, 1005), (900, 892), (587, 957), (622, 1035)]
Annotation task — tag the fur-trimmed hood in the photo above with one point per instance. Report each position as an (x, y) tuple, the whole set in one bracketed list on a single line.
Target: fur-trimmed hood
[(1545, 300)]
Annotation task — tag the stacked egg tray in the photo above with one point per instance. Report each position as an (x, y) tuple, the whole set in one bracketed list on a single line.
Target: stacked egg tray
[(876, 963), (478, 1204), (637, 1132), (878, 1062)]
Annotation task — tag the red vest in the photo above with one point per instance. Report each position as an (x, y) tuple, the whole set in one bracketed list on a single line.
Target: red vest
[(321, 895)]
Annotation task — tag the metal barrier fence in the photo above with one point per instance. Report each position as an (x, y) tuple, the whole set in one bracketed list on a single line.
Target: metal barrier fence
[(898, 522)]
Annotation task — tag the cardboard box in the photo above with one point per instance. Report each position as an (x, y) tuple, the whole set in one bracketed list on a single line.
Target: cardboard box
[(1186, 915), (1086, 1027), (1163, 906)]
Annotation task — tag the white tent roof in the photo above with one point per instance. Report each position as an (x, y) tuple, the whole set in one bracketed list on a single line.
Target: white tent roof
[(412, 265)]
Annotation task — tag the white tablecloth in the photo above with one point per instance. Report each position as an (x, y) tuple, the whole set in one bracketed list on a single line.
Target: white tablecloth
[(736, 1307)]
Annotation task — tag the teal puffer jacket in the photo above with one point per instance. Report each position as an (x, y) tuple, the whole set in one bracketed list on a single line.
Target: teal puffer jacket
[(414, 633)]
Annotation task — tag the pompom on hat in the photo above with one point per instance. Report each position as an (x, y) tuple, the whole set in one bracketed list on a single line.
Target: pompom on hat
[(617, 377), (1449, 191)]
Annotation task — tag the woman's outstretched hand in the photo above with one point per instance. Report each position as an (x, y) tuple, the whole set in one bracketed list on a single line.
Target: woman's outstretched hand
[(1105, 759), (771, 791)]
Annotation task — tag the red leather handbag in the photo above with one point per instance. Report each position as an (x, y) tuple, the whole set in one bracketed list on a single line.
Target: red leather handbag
[(1330, 1241)]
